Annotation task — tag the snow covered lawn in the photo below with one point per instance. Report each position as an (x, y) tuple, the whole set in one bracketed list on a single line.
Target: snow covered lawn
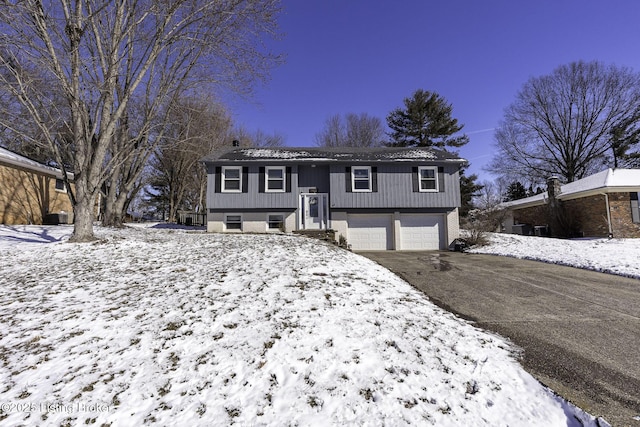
[(615, 256), (168, 327)]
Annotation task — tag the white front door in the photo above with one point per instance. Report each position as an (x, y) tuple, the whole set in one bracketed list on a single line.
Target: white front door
[(313, 207)]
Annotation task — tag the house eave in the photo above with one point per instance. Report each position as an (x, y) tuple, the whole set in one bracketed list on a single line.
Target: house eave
[(32, 166), (598, 191)]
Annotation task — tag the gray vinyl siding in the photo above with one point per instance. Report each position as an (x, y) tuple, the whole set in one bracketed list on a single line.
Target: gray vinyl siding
[(395, 189), (313, 177), (394, 184), (252, 198)]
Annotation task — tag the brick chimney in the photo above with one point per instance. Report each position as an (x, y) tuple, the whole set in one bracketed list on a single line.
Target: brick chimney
[(554, 207), (553, 187)]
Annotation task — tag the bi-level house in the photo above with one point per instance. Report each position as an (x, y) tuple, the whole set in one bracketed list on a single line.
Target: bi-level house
[(376, 198)]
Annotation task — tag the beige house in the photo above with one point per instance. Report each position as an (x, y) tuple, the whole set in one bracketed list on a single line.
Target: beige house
[(32, 193), (600, 205)]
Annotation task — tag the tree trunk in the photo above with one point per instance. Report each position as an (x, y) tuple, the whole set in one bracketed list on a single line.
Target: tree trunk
[(83, 214)]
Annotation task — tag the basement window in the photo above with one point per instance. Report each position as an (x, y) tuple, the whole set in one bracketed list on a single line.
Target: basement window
[(275, 222), (233, 222)]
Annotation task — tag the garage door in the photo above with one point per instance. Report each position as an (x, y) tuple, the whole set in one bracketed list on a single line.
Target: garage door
[(421, 232), (369, 232)]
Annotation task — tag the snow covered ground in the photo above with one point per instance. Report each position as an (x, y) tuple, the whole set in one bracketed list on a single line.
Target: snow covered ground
[(169, 327), (615, 256)]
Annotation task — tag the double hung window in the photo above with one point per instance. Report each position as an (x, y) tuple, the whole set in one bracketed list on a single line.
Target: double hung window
[(232, 179), (275, 179), (428, 179), (361, 178)]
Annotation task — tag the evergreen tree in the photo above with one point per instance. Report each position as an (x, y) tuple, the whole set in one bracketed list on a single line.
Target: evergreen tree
[(469, 189), (425, 121), (517, 191)]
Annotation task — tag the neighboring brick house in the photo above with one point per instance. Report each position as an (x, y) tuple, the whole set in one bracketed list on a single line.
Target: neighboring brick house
[(31, 193), (600, 205)]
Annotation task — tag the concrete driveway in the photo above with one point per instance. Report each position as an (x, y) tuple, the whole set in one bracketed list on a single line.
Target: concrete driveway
[(580, 330)]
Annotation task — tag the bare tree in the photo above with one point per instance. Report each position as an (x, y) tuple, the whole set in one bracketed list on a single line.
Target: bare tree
[(198, 128), (100, 56), (562, 123), (259, 138), (354, 130)]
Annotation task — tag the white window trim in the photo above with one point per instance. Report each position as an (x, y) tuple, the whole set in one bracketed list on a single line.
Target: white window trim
[(235, 230), (275, 230), (223, 179), (353, 180), (266, 179), (435, 175)]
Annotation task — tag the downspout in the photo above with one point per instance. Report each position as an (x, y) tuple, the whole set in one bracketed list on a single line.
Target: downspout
[(606, 200)]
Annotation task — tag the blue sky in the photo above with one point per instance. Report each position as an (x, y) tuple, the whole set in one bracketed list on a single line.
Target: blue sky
[(367, 56)]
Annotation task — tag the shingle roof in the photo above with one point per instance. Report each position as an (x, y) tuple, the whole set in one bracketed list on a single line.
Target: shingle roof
[(324, 154)]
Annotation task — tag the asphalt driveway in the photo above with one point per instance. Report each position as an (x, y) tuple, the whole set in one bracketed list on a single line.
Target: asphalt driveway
[(580, 330)]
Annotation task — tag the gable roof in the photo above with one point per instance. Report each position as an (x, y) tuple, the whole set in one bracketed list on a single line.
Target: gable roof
[(607, 181), (333, 154), (13, 159)]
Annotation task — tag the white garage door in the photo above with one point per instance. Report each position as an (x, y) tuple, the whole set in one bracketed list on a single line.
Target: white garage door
[(369, 232), (421, 232)]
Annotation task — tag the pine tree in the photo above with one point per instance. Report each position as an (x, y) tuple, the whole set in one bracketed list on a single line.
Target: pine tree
[(517, 191), (425, 121)]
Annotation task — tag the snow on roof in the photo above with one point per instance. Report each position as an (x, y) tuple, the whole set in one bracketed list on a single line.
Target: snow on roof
[(532, 200), (609, 180), (15, 159), (336, 153), (268, 153)]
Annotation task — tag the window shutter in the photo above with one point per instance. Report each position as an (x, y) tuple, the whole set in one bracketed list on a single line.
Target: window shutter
[(245, 179), (374, 179), (440, 179), (262, 180), (414, 179), (347, 178), (218, 179), (287, 179)]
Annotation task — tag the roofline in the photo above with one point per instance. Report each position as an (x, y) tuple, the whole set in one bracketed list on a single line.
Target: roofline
[(336, 150), (571, 196), (33, 166), (599, 190)]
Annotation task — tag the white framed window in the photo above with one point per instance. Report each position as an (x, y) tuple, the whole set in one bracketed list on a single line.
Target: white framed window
[(231, 179), (233, 222), (275, 222), (361, 179), (428, 179), (274, 179), (60, 185)]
